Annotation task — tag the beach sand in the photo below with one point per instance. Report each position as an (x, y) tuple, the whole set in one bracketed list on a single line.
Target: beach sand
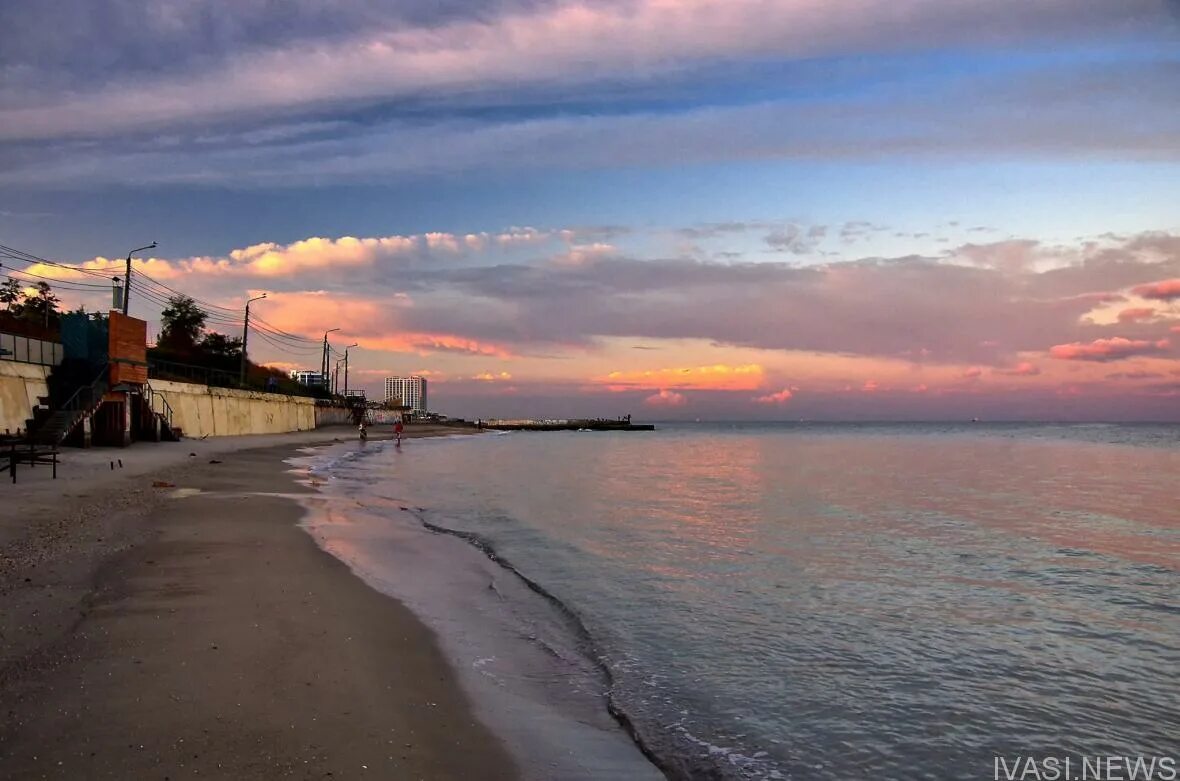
[(155, 632)]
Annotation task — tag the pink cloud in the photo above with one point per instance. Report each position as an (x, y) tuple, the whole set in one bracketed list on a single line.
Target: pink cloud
[(427, 343), (920, 388), (314, 254), (1164, 290), (782, 397), (585, 254), (1022, 369), (666, 398), (1136, 315), (1106, 349), (1135, 375), (870, 386), (373, 324), (973, 373), (719, 377)]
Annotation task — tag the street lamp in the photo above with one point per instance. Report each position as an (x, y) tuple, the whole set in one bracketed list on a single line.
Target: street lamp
[(127, 281), (246, 336), (324, 359)]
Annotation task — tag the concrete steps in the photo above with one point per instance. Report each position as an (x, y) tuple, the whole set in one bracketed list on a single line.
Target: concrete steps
[(55, 428)]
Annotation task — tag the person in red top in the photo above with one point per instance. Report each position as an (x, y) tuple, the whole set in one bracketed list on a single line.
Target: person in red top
[(398, 428)]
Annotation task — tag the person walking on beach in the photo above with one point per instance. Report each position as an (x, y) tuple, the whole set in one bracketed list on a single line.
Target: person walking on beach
[(364, 431), (398, 428)]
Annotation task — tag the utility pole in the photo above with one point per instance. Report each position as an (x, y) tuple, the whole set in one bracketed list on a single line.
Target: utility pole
[(324, 359), (346, 349), (127, 279), (246, 337)]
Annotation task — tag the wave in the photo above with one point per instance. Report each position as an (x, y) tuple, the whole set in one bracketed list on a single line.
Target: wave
[(676, 768)]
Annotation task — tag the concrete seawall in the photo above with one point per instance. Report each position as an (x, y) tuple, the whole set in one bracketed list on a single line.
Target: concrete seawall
[(20, 385), (332, 416), (200, 411)]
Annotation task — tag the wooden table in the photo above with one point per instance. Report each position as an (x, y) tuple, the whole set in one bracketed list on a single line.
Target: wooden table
[(26, 453)]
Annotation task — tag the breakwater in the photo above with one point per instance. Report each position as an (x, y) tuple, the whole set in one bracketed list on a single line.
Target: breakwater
[(588, 424)]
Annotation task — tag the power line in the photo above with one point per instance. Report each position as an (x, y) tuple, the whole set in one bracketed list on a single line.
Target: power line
[(159, 294), (161, 301), (163, 291), (177, 292), (66, 284), (287, 350), (310, 344), (28, 257), (278, 330)]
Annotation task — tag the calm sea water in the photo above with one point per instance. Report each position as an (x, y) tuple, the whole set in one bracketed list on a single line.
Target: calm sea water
[(809, 602)]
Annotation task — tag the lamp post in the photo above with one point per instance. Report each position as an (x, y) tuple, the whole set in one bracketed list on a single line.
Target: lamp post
[(346, 349), (127, 279), (324, 360), (246, 337)]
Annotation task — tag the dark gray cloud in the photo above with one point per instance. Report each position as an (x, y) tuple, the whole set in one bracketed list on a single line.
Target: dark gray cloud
[(110, 67), (289, 152), (71, 43), (795, 239)]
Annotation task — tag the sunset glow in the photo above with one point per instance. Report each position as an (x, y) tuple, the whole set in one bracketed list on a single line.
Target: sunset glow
[(692, 208)]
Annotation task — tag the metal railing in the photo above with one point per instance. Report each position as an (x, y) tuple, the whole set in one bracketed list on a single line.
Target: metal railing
[(219, 378), (185, 372), (155, 398), (87, 397), (25, 349)]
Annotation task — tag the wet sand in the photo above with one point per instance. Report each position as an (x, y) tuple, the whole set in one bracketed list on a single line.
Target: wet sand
[(151, 632)]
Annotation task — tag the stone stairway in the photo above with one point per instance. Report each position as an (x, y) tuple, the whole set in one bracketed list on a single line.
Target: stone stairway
[(53, 428)]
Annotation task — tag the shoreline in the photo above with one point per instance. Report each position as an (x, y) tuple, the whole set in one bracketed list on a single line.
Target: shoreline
[(199, 628), (526, 659)]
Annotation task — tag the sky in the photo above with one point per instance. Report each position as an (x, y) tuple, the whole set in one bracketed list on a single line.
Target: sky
[(674, 209)]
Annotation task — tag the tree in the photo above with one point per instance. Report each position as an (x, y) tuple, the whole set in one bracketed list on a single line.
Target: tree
[(10, 295), (221, 350), (98, 317), (181, 324), (41, 306)]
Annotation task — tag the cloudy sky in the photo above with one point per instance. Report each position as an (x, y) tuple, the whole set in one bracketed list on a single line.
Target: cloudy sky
[(782, 209)]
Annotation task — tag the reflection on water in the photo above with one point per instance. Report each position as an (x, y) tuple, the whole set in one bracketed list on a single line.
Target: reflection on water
[(812, 603)]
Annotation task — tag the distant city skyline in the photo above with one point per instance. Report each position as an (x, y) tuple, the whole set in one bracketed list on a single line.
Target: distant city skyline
[(674, 209)]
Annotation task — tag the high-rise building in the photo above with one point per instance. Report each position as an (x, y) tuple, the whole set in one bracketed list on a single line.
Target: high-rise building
[(309, 377), (411, 391)]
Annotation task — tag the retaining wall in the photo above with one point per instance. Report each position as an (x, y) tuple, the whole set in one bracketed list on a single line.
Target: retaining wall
[(20, 385), (200, 410), (332, 416)]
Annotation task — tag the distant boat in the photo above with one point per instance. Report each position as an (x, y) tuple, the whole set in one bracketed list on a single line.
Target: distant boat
[(974, 420)]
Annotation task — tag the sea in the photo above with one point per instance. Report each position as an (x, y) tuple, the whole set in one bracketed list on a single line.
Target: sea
[(785, 601)]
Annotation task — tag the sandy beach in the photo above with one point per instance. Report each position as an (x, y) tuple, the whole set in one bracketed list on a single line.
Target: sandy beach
[(193, 629)]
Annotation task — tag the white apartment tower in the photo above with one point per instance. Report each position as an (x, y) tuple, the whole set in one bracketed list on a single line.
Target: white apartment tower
[(309, 377), (410, 390)]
